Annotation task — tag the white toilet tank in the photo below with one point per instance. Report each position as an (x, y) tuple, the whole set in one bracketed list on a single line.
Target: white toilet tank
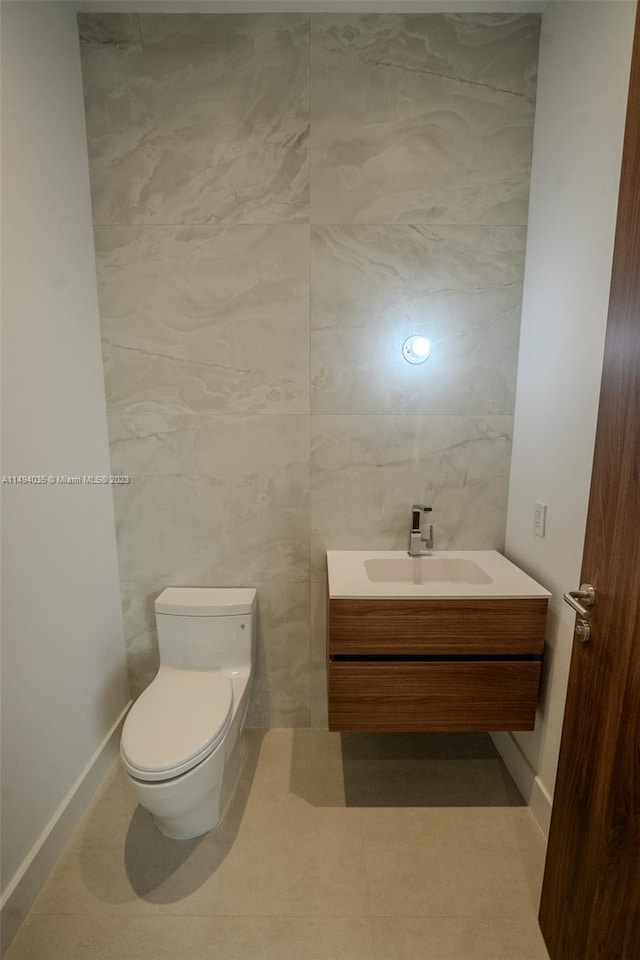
[(206, 628)]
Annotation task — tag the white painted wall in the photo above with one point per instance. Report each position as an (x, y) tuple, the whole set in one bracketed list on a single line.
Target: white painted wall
[(584, 67), (63, 659)]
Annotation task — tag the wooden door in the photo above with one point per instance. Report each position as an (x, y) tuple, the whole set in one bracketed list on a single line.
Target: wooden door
[(590, 908)]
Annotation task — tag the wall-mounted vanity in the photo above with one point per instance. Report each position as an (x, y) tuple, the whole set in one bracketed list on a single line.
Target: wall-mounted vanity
[(451, 641)]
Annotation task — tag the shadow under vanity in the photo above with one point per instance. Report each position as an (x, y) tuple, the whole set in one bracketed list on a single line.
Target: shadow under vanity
[(447, 642)]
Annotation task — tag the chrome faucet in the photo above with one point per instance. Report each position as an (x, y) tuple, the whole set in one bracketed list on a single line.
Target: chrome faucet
[(416, 539)]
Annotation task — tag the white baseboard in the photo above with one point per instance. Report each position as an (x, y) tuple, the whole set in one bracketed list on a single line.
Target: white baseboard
[(25, 886), (530, 786), (540, 804)]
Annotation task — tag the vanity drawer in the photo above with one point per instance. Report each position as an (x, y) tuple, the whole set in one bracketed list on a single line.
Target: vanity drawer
[(407, 627), (433, 696)]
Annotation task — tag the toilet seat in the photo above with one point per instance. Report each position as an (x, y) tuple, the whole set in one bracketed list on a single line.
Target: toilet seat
[(176, 723)]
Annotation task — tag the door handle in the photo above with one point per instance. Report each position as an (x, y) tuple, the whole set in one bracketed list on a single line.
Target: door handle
[(580, 600)]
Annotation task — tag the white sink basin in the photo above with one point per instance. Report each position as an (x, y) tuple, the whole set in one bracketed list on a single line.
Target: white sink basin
[(425, 570), (385, 574)]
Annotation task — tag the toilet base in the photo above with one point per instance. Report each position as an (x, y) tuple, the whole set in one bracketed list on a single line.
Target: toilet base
[(211, 809), (188, 805), (195, 802), (195, 824)]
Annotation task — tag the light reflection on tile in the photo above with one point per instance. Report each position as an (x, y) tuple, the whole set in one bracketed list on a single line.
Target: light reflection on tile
[(367, 471), (373, 286)]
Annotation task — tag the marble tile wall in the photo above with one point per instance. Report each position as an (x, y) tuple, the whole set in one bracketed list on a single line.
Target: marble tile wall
[(279, 200)]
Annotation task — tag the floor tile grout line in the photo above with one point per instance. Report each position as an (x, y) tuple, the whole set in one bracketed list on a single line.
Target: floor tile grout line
[(155, 915)]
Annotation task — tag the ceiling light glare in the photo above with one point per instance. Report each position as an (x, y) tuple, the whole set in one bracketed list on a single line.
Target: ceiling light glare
[(416, 349)]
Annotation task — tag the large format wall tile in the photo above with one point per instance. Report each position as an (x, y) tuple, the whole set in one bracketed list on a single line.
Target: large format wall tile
[(115, 28), (280, 696), (373, 286), (140, 636), (226, 319), (422, 118), (219, 500), (204, 129), (194, 319), (367, 471), (318, 654), (280, 691)]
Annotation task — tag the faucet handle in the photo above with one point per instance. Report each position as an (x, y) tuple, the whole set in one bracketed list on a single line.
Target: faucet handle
[(416, 538), (416, 510)]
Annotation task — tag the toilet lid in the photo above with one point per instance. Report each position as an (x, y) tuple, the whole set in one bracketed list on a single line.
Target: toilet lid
[(177, 722)]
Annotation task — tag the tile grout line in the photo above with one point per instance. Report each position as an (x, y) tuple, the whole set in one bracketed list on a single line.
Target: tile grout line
[(367, 880)]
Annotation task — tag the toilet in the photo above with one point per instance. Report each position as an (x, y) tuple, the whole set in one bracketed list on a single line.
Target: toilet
[(181, 741)]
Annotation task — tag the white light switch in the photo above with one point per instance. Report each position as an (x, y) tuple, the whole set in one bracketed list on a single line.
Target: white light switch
[(539, 518)]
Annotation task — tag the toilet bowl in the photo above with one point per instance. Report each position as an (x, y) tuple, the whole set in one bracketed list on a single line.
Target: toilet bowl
[(181, 741)]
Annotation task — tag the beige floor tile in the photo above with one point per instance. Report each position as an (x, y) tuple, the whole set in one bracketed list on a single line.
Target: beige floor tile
[(450, 862), (292, 755), (91, 876), (428, 783), (118, 862), (458, 938), (289, 859), (500, 827), (109, 817), (287, 846), (193, 938), (306, 859), (139, 879), (417, 746), (82, 884), (296, 762), (308, 764), (395, 770)]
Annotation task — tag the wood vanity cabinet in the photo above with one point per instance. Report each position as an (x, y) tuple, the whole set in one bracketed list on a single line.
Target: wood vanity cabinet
[(407, 664)]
